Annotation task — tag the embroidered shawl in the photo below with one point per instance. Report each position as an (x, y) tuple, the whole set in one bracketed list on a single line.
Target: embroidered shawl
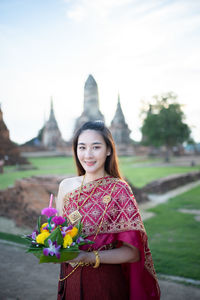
[(122, 223)]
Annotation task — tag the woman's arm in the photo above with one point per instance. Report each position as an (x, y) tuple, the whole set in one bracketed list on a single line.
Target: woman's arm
[(124, 254), (59, 199)]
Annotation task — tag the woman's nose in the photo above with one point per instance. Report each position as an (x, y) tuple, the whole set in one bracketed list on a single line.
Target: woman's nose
[(88, 153)]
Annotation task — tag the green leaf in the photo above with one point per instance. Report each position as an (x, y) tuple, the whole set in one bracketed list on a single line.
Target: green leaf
[(27, 238), (84, 243), (54, 236), (64, 256), (79, 227), (65, 224), (72, 248), (39, 224), (33, 250)]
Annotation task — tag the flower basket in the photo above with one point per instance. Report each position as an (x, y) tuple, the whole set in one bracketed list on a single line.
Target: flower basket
[(55, 241), (65, 255)]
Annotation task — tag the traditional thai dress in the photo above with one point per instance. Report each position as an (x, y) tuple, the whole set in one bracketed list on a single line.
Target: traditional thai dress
[(116, 222)]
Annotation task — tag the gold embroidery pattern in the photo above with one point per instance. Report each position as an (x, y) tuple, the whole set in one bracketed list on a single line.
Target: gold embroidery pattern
[(122, 213)]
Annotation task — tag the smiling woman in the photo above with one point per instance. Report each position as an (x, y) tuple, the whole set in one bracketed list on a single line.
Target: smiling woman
[(92, 152), (119, 264)]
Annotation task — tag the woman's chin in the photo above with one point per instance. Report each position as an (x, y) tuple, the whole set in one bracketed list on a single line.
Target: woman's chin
[(93, 170)]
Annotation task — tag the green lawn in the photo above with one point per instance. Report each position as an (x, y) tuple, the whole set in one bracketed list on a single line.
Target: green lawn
[(138, 175), (174, 237), (42, 166)]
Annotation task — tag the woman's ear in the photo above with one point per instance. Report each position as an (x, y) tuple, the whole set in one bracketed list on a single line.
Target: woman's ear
[(108, 151)]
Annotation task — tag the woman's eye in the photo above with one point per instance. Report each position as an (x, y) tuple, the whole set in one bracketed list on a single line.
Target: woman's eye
[(81, 147), (96, 147)]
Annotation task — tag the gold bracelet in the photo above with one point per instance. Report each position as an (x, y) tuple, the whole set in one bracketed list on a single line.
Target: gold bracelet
[(97, 263)]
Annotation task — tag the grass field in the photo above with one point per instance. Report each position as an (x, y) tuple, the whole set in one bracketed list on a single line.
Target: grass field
[(174, 237), (138, 175)]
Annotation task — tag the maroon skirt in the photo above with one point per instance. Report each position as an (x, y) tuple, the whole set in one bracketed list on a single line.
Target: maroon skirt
[(86, 283)]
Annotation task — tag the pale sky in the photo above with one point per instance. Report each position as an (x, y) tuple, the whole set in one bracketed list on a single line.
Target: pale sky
[(137, 48)]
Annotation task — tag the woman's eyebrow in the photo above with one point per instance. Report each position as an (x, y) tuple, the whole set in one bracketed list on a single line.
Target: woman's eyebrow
[(95, 143)]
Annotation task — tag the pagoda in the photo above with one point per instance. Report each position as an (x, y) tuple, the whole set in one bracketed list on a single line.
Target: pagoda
[(91, 110), (121, 132), (51, 135)]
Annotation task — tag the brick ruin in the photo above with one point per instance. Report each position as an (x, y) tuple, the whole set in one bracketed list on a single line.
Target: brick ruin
[(9, 151)]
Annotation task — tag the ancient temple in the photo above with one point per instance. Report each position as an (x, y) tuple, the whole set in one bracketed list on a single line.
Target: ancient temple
[(51, 135), (121, 132), (91, 110), (9, 151)]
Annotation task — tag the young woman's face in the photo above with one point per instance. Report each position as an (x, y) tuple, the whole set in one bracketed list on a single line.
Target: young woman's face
[(92, 152)]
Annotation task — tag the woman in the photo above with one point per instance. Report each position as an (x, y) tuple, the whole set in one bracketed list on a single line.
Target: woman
[(118, 265)]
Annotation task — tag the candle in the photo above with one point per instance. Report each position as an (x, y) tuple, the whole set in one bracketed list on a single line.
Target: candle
[(50, 202)]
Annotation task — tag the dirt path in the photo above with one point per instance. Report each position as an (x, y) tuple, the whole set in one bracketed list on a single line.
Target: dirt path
[(22, 278), (156, 199)]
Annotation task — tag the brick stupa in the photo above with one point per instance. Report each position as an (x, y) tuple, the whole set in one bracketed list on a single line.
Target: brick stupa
[(121, 132), (51, 135), (91, 110), (9, 151)]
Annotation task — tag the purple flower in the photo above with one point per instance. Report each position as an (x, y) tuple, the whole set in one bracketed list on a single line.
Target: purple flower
[(52, 250), (70, 227), (46, 227), (49, 211), (79, 240), (33, 235), (58, 220), (65, 229)]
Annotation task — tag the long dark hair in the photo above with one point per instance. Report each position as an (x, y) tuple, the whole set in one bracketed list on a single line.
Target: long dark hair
[(111, 163)]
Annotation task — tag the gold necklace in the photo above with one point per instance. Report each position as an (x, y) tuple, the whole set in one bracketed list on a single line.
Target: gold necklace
[(76, 216)]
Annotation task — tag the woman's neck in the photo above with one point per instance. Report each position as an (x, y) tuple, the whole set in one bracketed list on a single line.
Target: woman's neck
[(91, 177)]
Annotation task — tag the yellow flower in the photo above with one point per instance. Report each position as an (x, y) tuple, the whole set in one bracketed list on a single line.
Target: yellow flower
[(73, 232), (43, 225), (42, 237), (67, 241)]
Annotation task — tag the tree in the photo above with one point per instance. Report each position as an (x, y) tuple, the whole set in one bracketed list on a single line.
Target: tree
[(164, 123)]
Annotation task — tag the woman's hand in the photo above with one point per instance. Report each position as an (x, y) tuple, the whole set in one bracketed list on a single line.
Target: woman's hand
[(124, 254), (84, 257)]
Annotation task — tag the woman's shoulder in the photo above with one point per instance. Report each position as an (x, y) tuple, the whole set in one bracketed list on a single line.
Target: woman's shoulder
[(123, 184), (69, 184), (68, 180)]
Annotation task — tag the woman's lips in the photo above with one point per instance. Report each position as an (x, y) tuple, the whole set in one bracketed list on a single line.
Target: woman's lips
[(90, 163)]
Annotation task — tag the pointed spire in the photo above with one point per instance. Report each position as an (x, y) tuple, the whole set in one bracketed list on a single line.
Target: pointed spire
[(91, 96), (51, 102), (90, 82), (91, 111), (119, 116), (118, 98), (52, 115), (1, 113), (119, 128), (4, 132), (51, 135)]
